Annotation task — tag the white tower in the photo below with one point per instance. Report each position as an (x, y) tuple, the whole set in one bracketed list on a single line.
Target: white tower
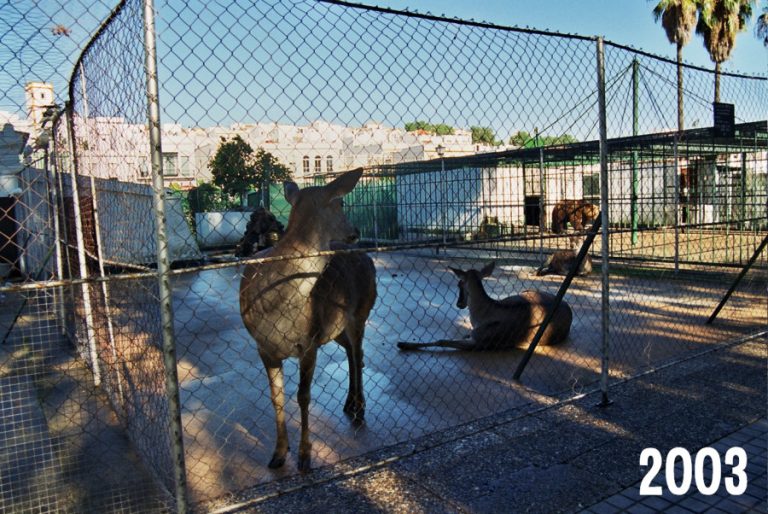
[(39, 98)]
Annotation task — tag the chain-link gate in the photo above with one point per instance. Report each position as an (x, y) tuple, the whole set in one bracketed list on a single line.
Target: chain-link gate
[(130, 385)]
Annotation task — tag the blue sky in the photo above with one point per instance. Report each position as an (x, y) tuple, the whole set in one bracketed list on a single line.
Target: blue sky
[(627, 22), (297, 62), (228, 61)]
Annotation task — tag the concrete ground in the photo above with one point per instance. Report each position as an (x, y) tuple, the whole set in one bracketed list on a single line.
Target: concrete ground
[(445, 431), (228, 416), (62, 448), (572, 457)]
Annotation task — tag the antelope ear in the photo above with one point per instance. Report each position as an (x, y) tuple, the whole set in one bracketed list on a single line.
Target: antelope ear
[(487, 269), (290, 191), (459, 273), (344, 183)]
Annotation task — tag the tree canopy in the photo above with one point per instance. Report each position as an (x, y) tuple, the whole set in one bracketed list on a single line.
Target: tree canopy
[(524, 139), (678, 17), (719, 23), (761, 27), (440, 129), (236, 169), (484, 135)]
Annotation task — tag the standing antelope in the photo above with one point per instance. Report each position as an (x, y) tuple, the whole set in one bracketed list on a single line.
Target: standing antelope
[(294, 305), (576, 212), (502, 324)]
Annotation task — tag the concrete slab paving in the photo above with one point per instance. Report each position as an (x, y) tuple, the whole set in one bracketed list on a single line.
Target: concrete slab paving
[(228, 416), (510, 467)]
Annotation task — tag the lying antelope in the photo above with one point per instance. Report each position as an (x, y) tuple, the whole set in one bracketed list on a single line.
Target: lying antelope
[(294, 305), (502, 324), (562, 261)]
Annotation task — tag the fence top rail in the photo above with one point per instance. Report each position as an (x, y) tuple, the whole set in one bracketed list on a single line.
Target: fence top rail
[(434, 18), (103, 27), (685, 65), (527, 30)]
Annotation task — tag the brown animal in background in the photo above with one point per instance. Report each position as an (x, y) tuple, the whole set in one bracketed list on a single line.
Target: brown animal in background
[(502, 324), (293, 306), (576, 212), (263, 231), (562, 261)]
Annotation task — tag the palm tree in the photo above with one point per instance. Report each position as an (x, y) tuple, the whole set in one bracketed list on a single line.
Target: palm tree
[(719, 23), (678, 17), (761, 27)]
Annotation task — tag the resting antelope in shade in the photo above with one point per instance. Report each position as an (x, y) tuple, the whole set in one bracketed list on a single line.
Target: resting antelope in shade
[(562, 261), (502, 324), (294, 305)]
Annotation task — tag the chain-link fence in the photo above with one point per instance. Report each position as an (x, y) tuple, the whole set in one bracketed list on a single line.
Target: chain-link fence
[(130, 385)]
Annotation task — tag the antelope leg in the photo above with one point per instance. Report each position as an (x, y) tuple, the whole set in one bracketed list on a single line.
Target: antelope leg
[(355, 404), (275, 374), (307, 371)]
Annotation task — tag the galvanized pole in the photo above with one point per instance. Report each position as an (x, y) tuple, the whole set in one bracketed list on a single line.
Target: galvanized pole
[(604, 401), (676, 217), (635, 130), (443, 194), (375, 194), (542, 207), (743, 199), (83, 267), (53, 195), (163, 260), (105, 294)]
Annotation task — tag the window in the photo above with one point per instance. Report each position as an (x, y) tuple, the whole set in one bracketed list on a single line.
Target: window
[(170, 164), (143, 169), (329, 164), (185, 166), (318, 165), (591, 186), (305, 164)]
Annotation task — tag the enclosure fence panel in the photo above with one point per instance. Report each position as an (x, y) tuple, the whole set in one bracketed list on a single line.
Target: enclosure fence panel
[(476, 144)]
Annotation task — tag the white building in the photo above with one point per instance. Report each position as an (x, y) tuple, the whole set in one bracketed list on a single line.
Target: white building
[(111, 148), (310, 150)]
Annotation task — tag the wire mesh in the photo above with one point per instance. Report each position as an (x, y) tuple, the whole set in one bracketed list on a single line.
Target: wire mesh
[(64, 445), (479, 144)]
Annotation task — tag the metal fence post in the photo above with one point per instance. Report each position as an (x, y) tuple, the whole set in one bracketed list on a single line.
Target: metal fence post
[(83, 266), (635, 131), (542, 203), (52, 176), (676, 199), (163, 261), (105, 293), (604, 220)]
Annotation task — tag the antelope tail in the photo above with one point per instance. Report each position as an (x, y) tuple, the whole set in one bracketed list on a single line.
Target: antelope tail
[(442, 343)]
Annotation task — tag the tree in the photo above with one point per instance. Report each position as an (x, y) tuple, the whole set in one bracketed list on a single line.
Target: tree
[(268, 170), (678, 17), (236, 169), (484, 135), (719, 23), (417, 125), (521, 139), (761, 27), (524, 139), (440, 129)]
